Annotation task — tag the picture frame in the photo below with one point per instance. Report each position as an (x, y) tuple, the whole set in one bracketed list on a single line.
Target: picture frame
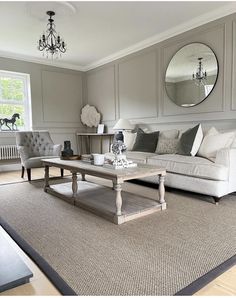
[(100, 129)]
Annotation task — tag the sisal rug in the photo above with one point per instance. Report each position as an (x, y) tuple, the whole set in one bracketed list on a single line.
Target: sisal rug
[(159, 254)]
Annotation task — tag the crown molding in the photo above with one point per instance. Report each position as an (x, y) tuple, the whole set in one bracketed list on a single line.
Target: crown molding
[(45, 61), (196, 22)]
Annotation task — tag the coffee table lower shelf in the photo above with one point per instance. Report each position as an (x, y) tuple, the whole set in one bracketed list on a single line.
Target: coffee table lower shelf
[(100, 200)]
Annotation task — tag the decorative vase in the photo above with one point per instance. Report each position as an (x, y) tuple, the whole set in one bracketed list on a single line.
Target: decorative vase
[(67, 151)]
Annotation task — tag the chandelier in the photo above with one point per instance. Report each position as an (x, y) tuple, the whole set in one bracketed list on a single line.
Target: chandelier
[(200, 77), (51, 42)]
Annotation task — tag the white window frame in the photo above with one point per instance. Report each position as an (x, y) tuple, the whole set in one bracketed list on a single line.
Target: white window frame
[(208, 88), (27, 96)]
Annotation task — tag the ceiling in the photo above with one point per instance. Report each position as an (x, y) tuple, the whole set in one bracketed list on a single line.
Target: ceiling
[(99, 32)]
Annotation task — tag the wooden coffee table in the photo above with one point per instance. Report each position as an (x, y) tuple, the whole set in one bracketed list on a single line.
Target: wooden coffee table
[(101, 200)]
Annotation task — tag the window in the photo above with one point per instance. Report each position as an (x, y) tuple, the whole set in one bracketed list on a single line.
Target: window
[(15, 98), (208, 89)]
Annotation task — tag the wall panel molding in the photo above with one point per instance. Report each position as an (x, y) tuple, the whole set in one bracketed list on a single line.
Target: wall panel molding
[(66, 87), (233, 74), (219, 107), (137, 84), (215, 38), (101, 91)]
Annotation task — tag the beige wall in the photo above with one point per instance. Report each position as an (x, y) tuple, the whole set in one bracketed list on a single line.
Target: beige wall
[(133, 87), (56, 95)]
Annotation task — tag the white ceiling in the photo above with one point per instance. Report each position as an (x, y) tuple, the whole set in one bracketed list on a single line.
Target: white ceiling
[(98, 32)]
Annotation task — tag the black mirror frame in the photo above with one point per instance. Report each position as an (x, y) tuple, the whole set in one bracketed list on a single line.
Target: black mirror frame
[(214, 83)]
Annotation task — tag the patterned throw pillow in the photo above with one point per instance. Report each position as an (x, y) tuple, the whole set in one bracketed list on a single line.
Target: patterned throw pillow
[(167, 146), (169, 134)]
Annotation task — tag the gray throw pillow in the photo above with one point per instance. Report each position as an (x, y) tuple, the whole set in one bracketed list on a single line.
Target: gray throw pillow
[(146, 142), (190, 141), (167, 146)]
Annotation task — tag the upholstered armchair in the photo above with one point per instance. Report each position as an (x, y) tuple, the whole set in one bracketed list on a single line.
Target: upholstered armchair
[(33, 146)]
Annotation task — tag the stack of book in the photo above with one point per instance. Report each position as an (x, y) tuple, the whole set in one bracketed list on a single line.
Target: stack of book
[(86, 158), (128, 164)]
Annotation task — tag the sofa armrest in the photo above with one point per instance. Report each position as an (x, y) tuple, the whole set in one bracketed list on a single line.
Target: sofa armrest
[(24, 153), (226, 157)]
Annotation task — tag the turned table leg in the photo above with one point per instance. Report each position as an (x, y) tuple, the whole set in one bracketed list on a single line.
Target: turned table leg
[(46, 178), (162, 191), (74, 184), (117, 188), (83, 177)]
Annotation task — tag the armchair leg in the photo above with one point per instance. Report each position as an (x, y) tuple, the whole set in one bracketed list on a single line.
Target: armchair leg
[(62, 172), (22, 172), (216, 199), (29, 174)]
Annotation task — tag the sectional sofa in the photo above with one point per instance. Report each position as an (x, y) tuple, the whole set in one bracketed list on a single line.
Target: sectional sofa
[(214, 175)]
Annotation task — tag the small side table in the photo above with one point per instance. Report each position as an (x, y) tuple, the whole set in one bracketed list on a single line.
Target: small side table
[(88, 136)]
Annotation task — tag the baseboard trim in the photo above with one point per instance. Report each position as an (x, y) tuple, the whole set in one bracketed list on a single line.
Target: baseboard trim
[(10, 167)]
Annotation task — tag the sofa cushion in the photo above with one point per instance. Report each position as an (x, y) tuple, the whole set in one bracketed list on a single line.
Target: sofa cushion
[(190, 141), (36, 162), (146, 142), (169, 134), (190, 166), (129, 139)]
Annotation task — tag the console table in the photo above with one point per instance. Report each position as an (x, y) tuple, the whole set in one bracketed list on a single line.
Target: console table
[(87, 136)]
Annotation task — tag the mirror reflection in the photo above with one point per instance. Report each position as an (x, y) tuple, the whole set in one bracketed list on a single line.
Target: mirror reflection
[(191, 75)]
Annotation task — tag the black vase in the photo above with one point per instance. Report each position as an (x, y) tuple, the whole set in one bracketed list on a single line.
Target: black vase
[(67, 151)]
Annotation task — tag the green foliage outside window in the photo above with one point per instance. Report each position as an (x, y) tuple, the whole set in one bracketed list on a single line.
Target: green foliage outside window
[(12, 90)]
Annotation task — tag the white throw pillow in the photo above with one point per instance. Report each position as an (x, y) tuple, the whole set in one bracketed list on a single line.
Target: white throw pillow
[(214, 141), (129, 139)]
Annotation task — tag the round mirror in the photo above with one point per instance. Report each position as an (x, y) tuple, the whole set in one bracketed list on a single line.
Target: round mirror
[(191, 75)]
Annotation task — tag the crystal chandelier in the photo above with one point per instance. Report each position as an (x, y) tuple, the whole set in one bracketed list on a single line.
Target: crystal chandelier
[(51, 42), (200, 77)]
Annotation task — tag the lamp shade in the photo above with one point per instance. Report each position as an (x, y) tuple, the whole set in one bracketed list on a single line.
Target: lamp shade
[(123, 124)]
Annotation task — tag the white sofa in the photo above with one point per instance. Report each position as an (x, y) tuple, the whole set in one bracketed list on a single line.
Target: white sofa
[(193, 173)]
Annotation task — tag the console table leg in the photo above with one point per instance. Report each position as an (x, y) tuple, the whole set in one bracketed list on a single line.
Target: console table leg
[(83, 177), (46, 178), (74, 184), (162, 191), (117, 188)]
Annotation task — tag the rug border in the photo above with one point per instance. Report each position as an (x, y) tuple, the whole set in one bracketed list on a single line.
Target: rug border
[(205, 279), (66, 290), (44, 266)]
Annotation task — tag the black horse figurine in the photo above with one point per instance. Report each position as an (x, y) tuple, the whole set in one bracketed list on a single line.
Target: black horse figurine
[(11, 121)]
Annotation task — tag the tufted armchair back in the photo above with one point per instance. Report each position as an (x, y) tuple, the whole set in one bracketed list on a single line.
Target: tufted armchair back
[(34, 146), (35, 143)]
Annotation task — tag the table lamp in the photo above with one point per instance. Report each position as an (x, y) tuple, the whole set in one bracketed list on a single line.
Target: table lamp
[(120, 126)]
